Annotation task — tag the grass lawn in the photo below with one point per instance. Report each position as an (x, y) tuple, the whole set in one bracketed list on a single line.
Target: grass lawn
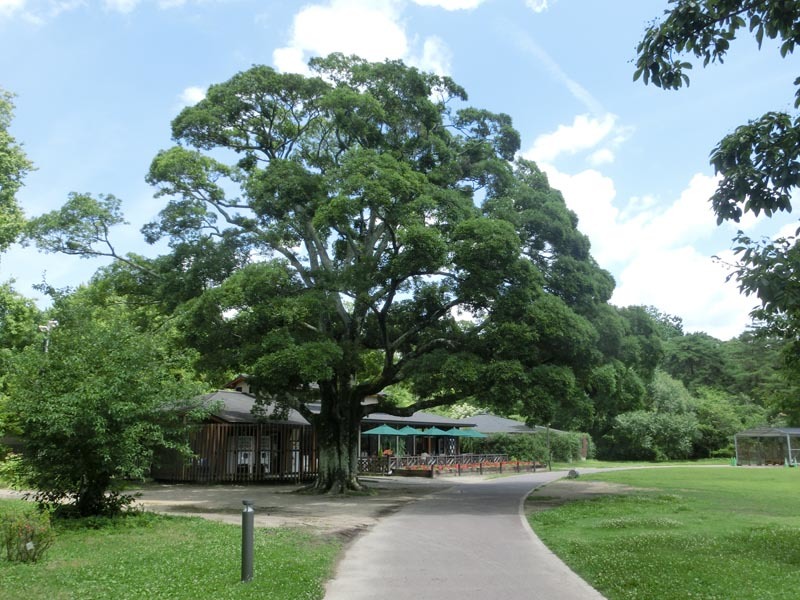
[(151, 556), (608, 464), (689, 533)]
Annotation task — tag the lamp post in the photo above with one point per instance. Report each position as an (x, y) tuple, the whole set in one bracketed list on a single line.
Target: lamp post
[(248, 523), (549, 456), (46, 329)]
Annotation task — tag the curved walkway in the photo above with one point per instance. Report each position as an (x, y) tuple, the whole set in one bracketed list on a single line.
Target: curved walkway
[(466, 543)]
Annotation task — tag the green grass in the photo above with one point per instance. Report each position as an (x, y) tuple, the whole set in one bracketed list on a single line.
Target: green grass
[(693, 533), (150, 556), (607, 464)]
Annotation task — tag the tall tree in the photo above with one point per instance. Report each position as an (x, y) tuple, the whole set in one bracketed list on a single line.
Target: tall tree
[(336, 235), (13, 167), (759, 162), (358, 190), (631, 347), (698, 359)]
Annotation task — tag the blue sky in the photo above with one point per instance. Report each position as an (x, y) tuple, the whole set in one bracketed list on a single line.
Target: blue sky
[(98, 82)]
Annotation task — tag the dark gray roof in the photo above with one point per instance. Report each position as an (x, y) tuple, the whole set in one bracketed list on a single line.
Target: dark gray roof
[(418, 419), (486, 423), (237, 407), (770, 432)]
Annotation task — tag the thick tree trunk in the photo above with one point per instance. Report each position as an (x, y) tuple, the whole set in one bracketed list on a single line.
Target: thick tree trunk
[(338, 436)]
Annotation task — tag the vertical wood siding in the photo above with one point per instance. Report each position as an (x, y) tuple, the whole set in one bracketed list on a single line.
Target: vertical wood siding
[(243, 452)]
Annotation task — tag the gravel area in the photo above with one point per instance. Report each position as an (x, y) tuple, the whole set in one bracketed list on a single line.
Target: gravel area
[(287, 506)]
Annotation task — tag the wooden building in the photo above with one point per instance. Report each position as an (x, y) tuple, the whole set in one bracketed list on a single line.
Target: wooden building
[(237, 443), (242, 442)]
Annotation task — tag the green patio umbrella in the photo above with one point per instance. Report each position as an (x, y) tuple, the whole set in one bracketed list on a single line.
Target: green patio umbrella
[(434, 431), (472, 433), (379, 431), (408, 430), (455, 432)]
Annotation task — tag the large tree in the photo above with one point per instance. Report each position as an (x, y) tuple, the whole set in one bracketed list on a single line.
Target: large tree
[(759, 162), (338, 234), (13, 167)]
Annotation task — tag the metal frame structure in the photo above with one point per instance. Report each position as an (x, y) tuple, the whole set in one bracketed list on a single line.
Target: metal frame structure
[(767, 446)]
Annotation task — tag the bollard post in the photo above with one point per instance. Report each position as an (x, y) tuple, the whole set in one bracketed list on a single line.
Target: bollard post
[(248, 523)]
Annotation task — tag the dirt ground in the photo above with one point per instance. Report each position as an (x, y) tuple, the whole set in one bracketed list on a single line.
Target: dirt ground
[(558, 493), (283, 506)]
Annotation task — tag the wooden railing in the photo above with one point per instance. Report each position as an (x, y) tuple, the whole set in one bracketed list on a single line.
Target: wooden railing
[(385, 464), (404, 462)]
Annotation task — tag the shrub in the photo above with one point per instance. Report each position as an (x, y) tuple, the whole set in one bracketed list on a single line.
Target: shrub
[(25, 535), (644, 435), (564, 447), (107, 397), (13, 472)]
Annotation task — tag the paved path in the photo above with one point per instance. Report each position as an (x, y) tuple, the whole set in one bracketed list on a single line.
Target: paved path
[(469, 542)]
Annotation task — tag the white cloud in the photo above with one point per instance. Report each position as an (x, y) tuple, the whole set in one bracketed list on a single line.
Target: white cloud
[(585, 133), (604, 156), (618, 236), (9, 7), (37, 13), (649, 243), (650, 249), (122, 6), (590, 194), (789, 230), (690, 217), (436, 57), (192, 95), (290, 60), (637, 205), (681, 281), (452, 4), (371, 29), (537, 6)]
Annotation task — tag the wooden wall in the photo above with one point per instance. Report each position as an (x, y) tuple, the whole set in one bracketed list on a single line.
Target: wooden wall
[(243, 452)]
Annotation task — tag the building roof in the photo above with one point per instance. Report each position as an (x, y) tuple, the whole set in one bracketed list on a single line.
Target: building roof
[(418, 419), (237, 407), (770, 432), (486, 423)]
